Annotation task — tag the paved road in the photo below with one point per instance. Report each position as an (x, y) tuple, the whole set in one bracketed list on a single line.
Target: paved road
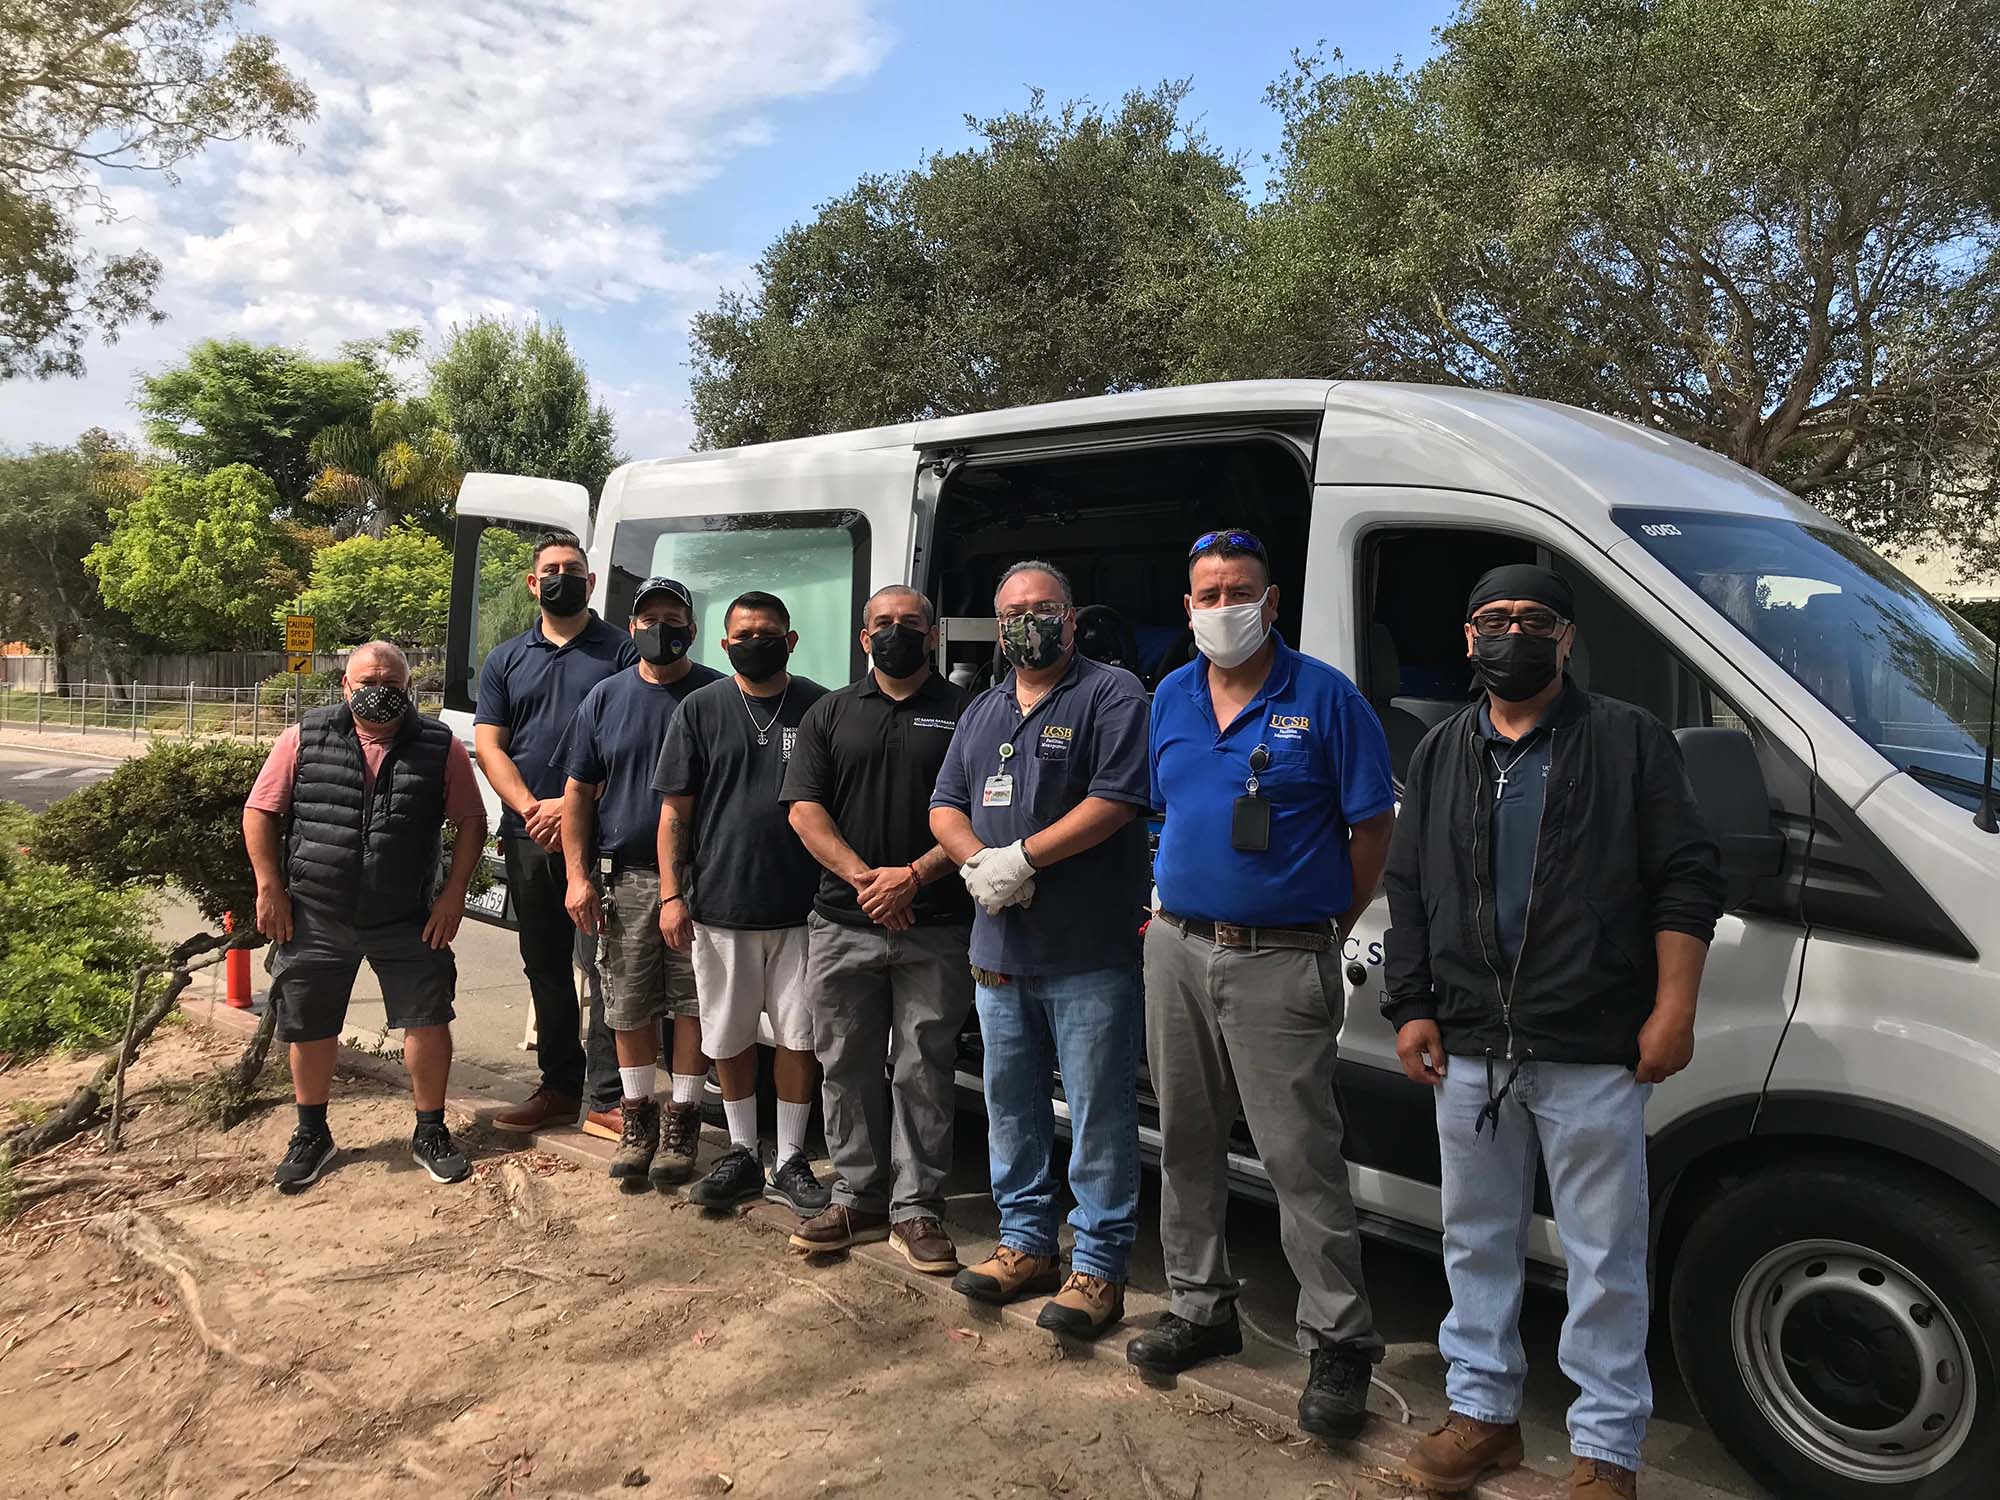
[(35, 777)]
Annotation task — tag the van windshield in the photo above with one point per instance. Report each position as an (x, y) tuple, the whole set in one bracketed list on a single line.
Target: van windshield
[(1909, 675)]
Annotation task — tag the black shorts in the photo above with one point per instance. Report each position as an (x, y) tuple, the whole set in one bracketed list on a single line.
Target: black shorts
[(312, 976)]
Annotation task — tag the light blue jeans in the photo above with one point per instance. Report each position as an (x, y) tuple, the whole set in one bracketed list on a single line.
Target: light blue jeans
[(1589, 1123), (1090, 1026)]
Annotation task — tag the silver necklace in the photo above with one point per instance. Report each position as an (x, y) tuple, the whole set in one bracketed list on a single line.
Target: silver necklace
[(1500, 788), (764, 730)]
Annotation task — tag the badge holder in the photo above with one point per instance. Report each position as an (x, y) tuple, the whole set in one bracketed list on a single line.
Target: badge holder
[(999, 790), (1250, 824)]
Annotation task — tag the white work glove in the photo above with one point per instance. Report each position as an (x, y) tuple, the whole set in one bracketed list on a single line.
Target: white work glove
[(999, 878)]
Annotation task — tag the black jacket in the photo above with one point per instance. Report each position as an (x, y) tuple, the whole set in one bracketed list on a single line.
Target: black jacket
[(369, 862), (1623, 853)]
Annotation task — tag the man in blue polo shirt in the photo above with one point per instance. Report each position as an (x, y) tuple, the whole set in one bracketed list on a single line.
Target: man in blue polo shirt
[(529, 689), (1038, 802), (1273, 774)]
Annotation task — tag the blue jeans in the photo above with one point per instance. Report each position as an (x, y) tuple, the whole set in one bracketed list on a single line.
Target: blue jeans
[(1089, 1025), (1589, 1122)]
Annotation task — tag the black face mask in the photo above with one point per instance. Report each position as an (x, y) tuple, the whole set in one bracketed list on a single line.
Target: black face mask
[(760, 658), (564, 594), (1514, 667), (898, 651), (663, 645), (378, 702)]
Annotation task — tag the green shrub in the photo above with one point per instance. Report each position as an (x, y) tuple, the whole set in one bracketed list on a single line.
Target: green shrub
[(69, 949), (1984, 614), (317, 687)]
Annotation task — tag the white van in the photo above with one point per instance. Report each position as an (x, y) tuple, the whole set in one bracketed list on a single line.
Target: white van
[(1826, 1176)]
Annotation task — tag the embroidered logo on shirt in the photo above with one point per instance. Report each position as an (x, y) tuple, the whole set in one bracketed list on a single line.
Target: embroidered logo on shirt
[(791, 738), (1292, 728), (1055, 742), (922, 723)]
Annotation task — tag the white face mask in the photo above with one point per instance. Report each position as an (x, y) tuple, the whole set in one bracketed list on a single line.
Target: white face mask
[(1231, 635)]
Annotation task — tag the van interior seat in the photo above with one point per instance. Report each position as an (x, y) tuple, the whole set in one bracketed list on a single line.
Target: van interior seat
[(1385, 678)]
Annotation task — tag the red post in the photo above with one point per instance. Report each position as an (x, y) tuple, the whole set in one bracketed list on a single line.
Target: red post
[(236, 967)]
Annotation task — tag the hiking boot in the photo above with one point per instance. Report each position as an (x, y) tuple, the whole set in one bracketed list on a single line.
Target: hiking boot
[(680, 1138), (305, 1161), (1084, 1308), (1455, 1454), (925, 1245), (607, 1124), (839, 1228), (433, 1149), (1334, 1403), (793, 1184), (1006, 1274), (737, 1178), (638, 1141), (1595, 1479), (539, 1111), (1175, 1343)]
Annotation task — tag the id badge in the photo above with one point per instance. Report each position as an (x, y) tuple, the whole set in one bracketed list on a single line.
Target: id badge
[(999, 791), (1250, 827)]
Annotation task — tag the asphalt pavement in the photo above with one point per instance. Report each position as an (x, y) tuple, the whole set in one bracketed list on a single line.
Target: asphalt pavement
[(35, 777)]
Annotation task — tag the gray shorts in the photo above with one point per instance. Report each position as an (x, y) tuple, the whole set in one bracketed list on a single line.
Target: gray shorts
[(312, 976), (644, 979)]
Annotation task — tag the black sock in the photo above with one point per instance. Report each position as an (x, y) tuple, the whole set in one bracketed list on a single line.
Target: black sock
[(430, 1117), (313, 1117)]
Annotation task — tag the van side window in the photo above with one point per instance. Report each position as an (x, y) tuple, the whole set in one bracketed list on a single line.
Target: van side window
[(502, 606)]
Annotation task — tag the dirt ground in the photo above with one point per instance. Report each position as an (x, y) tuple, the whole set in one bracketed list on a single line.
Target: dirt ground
[(170, 1326)]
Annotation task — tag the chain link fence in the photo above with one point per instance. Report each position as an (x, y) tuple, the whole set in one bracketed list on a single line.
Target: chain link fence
[(135, 709)]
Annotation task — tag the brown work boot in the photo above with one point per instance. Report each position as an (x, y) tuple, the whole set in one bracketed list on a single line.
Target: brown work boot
[(1456, 1453), (1006, 1274), (605, 1124), (538, 1111), (838, 1228), (1594, 1479), (637, 1144), (925, 1245), (680, 1139), (1084, 1308)]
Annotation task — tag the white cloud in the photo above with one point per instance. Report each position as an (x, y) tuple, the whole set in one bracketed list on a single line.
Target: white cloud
[(504, 156)]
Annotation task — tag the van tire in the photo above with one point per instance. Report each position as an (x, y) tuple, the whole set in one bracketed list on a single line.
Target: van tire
[(1819, 1289)]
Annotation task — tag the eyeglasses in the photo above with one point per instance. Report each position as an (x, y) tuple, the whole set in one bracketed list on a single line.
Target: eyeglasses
[(1048, 609), (1494, 623), (1242, 539)]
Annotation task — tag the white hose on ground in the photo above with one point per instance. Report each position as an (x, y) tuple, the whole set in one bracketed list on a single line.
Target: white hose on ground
[(1289, 1347)]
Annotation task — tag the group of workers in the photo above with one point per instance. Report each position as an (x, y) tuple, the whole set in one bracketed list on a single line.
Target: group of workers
[(857, 869)]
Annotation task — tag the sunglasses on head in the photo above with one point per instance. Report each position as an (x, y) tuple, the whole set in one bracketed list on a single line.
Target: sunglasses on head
[(1240, 539)]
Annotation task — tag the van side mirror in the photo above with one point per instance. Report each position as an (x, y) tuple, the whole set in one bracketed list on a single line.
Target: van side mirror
[(1729, 784)]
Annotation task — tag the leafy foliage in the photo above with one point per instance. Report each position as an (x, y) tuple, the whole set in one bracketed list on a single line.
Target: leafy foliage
[(198, 560), (398, 587), (173, 814), (398, 466), (517, 401), (92, 86), (68, 949), (506, 608), (1056, 259)]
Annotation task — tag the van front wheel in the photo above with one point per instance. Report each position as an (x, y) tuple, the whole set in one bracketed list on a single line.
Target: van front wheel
[(1837, 1326)]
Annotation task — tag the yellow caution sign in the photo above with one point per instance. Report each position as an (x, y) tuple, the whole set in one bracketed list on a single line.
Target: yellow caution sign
[(299, 636), (300, 664)]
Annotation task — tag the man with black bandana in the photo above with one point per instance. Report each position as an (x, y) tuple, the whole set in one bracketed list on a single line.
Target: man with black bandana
[(886, 956), (1552, 893)]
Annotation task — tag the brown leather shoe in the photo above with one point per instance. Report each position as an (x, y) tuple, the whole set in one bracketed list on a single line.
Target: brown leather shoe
[(1084, 1308), (538, 1111), (925, 1245), (680, 1141), (837, 1228), (1456, 1453), (1594, 1479), (1006, 1274), (605, 1124)]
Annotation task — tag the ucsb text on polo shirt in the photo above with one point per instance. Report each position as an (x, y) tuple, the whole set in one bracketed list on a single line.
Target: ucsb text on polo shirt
[(1329, 769), (531, 687), (1085, 738)]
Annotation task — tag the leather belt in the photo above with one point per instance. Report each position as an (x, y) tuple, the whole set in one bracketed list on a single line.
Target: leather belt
[(620, 864), (1229, 935)]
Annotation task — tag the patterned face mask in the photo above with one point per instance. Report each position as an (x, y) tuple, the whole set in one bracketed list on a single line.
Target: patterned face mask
[(1031, 641), (379, 702)]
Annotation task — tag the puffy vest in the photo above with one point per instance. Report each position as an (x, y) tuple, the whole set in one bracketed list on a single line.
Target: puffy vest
[(370, 861)]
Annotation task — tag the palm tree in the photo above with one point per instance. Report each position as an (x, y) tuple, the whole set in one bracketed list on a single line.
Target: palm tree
[(399, 465)]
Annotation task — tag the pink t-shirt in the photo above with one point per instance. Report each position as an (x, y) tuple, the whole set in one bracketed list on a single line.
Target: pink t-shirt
[(273, 791)]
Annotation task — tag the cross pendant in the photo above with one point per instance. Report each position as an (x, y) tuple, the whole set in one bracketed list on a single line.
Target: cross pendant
[(1500, 787)]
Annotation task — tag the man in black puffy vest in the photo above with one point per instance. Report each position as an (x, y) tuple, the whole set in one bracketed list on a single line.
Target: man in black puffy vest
[(343, 831)]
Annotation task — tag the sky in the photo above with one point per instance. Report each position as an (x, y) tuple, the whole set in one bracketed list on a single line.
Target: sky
[(612, 165)]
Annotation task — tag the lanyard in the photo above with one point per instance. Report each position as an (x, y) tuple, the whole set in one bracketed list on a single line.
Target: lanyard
[(1039, 707)]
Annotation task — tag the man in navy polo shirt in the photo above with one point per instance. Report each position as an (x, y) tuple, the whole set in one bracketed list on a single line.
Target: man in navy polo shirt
[(1038, 802), (529, 689), (1274, 776)]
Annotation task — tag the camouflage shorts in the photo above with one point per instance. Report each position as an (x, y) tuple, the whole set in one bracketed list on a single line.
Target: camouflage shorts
[(644, 979)]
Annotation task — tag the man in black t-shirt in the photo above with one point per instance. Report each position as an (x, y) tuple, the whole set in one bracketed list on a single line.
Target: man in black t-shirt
[(889, 929), (743, 913)]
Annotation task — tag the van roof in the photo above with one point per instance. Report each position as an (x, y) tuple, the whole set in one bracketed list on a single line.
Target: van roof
[(1374, 433)]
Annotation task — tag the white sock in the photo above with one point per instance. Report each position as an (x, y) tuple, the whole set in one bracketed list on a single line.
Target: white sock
[(638, 1081), (742, 1117), (687, 1088), (792, 1128)]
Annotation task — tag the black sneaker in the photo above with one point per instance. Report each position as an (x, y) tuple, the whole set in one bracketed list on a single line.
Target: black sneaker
[(638, 1143), (433, 1149), (794, 1185), (306, 1159), (1174, 1343), (737, 1178), (1334, 1403)]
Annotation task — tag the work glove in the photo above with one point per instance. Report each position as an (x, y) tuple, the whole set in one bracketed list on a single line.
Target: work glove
[(999, 878)]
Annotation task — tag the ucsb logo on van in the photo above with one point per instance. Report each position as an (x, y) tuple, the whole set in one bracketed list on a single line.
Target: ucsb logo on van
[(1291, 727)]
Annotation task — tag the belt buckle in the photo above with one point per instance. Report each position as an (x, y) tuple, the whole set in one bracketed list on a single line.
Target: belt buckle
[(1229, 935)]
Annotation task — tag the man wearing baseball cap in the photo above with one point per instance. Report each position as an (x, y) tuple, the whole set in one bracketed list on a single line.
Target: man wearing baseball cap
[(610, 827)]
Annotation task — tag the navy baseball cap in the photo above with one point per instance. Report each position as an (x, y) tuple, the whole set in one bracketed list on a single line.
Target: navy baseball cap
[(661, 585)]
